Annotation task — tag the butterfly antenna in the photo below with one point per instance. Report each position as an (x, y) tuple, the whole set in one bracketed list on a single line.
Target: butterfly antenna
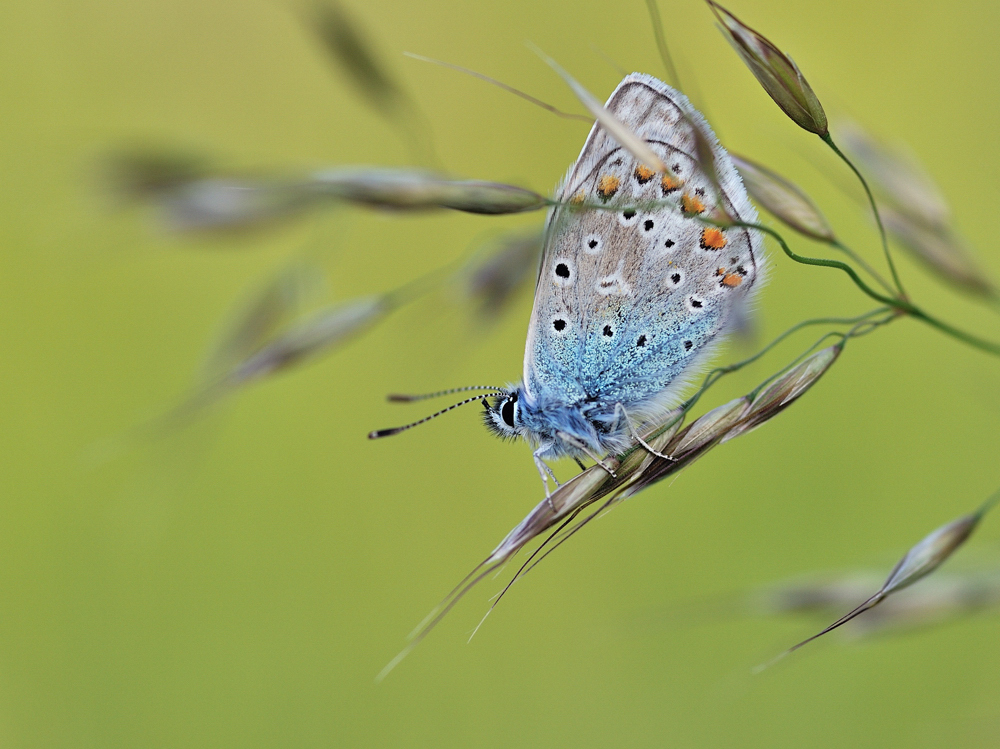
[(396, 430), (396, 398)]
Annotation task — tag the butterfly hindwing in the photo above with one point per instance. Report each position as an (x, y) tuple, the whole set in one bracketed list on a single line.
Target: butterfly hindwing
[(633, 288)]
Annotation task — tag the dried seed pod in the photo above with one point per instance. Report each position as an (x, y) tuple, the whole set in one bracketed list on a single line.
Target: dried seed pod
[(783, 200), (775, 71)]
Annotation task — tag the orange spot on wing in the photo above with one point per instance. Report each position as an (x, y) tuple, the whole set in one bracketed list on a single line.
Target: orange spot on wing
[(644, 174), (669, 183), (691, 204), (732, 280), (711, 239), (577, 199), (607, 186)]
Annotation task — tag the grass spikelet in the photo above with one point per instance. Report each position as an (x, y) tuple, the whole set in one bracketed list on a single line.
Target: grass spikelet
[(896, 175), (260, 319), (230, 204), (783, 200), (941, 250), (614, 127), (344, 41), (412, 190), (915, 212), (491, 281), (921, 560), (140, 173), (305, 338), (941, 598), (775, 71), (188, 201), (785, 390), (630, 472), (187, 195)]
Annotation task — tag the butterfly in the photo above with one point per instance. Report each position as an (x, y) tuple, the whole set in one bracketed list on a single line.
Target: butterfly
[(634, 289)]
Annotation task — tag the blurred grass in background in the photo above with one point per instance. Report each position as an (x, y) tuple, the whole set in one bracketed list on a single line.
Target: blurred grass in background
[(241, 581)]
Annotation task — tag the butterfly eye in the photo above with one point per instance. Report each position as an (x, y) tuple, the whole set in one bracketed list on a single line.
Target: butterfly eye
[(507, 412)]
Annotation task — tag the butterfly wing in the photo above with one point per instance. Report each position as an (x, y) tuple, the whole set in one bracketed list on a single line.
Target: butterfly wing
[(633, 292)]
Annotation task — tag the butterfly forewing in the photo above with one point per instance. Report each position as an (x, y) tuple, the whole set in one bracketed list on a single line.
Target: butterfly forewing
[(633, 288)]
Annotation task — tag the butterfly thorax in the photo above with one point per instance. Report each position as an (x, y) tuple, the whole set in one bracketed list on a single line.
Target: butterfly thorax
[(559, 429)]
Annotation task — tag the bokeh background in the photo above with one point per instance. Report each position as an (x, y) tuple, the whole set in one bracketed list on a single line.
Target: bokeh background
[(241, 581)]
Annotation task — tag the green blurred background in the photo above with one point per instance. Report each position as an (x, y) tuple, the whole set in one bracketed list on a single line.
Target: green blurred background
[(240, 582)]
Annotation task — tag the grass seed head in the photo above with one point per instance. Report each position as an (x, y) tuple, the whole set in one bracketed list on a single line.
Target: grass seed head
[(492, 281), (306, 338), (311, 336), (231, 204), (775, 71), (410, 189), (262, 317), (940, 250), (931, 552), (921, 560), (355, 56), (147, 172), (611, 124), (914, 211), (785, 390), (709, 428), (944, 597), (783, 199), (897, 176)]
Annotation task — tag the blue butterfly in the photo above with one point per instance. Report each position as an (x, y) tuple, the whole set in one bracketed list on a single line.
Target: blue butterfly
[(634, 291)]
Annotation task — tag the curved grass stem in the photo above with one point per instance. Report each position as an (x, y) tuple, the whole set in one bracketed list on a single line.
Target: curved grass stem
[(836, 243), (902, 306), (712, 377), (828, 139)]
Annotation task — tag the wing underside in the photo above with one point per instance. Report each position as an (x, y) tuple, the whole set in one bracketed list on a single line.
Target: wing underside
[(634, 286)]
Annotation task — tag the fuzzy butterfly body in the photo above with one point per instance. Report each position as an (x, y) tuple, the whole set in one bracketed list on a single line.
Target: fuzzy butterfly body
[(634, 289)]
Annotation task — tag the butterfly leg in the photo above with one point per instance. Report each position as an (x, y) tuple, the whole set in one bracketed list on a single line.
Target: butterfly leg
[(619, 408), (544, 471), (569, 439)]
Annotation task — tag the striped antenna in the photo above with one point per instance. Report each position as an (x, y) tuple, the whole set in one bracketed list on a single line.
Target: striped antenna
[(411, 398), (396, 430)]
